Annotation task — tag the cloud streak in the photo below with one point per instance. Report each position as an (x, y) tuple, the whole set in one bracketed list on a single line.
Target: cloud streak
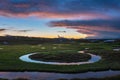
[(61, 31), (16, 30), (23, 31)]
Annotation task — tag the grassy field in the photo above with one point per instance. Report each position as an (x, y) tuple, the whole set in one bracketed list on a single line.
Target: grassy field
[(61, 57), (9, 57)]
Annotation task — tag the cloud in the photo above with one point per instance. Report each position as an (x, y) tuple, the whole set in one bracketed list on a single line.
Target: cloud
[(93, 28), (13, 29), (2, 30), (69, 9), (62, 31), (22, 31)]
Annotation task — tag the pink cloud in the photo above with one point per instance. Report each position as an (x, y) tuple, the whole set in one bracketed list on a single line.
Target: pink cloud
[(91, 27)]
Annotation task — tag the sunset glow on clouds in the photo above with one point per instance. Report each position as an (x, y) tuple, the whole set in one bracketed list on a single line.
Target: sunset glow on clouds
[(44, 18), (91, 27)]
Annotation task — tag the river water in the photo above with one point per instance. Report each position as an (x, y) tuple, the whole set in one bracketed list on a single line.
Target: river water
[(94, 58), (56, 76)]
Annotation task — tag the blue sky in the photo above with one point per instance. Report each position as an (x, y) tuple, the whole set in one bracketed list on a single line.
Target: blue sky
[(36, 27)]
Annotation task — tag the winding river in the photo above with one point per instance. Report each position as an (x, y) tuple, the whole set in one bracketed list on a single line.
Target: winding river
[(57, 76)]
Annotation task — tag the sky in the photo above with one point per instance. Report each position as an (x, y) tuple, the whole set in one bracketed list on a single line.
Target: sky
[(94, 19)]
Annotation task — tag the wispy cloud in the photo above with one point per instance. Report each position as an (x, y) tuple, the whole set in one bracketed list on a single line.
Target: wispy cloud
[(22, 31), (15, 30), (61, 31)]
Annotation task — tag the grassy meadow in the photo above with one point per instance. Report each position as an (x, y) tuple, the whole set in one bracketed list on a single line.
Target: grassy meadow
[(9, 57)]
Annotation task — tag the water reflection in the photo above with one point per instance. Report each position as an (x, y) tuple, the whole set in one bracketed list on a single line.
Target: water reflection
[(55, 76)]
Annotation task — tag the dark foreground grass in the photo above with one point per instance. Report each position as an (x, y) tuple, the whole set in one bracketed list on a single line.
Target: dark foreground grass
[(9, 57)]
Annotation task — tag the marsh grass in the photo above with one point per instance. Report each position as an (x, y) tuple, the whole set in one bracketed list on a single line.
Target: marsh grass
[(9, 57), (61, 57)]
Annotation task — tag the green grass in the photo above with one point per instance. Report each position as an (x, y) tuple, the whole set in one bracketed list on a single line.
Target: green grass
[(66, 56), (9, 57)]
